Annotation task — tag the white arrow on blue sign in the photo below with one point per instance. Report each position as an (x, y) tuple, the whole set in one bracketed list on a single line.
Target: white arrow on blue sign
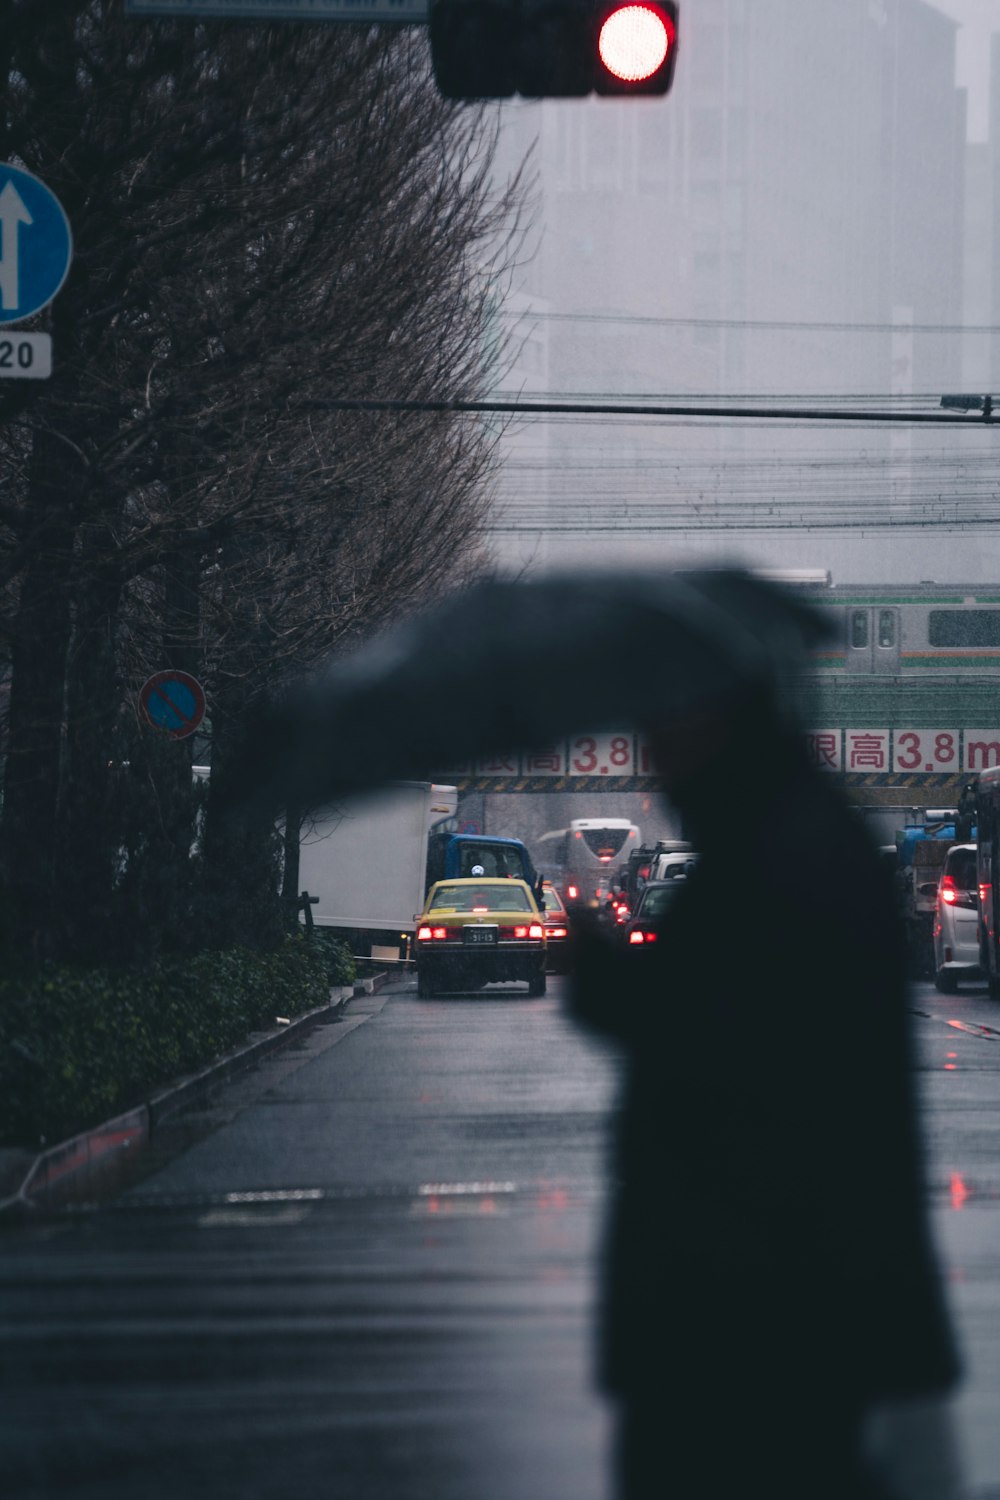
[(36, 244)]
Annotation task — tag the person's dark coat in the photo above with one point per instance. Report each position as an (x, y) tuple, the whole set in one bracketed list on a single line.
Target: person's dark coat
[(768, 1230)]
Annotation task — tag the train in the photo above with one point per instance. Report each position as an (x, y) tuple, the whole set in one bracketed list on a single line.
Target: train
[(901, 701), (903, 694)]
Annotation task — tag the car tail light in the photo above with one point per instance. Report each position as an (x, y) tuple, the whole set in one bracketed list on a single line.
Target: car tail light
[(555, 932), (637, 936), (572, 891), (622, 913), (430, 934), (536, 930), (952, 896)]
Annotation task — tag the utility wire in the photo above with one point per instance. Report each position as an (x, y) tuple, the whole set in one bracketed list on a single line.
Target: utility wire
[(763, 325), (687, 412)]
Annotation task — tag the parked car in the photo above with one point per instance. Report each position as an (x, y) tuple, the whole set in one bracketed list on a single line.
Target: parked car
[(555, 920), (477, 932), (956, 919), (655, 900)]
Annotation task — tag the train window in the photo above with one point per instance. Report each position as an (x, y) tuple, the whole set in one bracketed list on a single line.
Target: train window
[(859, 627), (887, 627), (963, 627)]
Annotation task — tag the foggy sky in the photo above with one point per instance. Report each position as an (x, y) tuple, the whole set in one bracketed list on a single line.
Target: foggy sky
[(620, 298), (977, 20)]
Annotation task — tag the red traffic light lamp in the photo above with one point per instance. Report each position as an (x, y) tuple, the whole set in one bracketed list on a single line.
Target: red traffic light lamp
[(636, 48), (542, 49)]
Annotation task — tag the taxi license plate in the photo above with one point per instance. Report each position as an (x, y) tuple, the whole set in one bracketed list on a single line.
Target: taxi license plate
[(480, 935)]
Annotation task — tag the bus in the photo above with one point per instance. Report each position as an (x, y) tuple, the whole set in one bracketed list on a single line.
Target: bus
[(584, 859)]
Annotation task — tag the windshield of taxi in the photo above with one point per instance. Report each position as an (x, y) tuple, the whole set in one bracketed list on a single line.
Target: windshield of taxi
[(501, 896)]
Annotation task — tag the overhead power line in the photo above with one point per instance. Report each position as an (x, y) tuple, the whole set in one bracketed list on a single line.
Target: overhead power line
[(762, 325), (655, 409)]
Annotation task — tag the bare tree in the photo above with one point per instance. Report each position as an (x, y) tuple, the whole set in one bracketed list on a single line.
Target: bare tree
[(265, 217)]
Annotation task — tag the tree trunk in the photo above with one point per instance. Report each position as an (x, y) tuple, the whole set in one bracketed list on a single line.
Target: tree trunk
[(32, 780), (90, 834)]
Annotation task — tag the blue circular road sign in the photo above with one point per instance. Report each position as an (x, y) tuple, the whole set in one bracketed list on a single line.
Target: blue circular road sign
[(174, 701), (36, 244)]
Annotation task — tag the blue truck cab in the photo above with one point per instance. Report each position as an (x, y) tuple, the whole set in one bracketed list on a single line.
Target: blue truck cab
[(456, 856)]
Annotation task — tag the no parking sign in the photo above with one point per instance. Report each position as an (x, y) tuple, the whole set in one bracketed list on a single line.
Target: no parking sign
[(174, 702)]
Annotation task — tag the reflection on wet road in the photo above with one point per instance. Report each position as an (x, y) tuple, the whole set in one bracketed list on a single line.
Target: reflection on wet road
[(375, 1279), (368, 1270)]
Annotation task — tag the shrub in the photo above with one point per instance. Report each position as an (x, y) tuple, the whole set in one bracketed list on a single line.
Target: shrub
[(79, 1045)]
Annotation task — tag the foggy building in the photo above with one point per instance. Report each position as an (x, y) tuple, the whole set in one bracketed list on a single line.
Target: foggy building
[(756, 235)]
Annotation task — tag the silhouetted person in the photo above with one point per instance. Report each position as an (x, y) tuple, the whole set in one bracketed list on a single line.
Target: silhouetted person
[(769, 1275)]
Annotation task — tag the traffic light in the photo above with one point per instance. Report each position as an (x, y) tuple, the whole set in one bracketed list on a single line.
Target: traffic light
[(552, 49)]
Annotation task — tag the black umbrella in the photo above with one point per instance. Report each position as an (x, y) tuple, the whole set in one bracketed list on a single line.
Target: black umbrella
[(509, 665)]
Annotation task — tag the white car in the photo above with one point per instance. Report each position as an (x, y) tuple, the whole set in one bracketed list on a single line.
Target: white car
[(674, 865), (956, 920)]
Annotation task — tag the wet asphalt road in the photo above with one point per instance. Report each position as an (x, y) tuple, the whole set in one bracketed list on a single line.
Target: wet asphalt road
[(367, 1271), (410, 1317)]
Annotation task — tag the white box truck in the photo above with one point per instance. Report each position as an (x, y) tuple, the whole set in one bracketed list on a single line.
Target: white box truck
[(366, 860)]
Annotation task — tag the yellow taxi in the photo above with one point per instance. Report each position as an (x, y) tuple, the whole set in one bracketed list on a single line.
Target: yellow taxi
[(480, 931)]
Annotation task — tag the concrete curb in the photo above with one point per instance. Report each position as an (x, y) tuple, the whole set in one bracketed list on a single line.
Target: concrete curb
[(90, 1165)]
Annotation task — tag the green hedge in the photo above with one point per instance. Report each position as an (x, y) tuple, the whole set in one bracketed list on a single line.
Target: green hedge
[(80, 1045)]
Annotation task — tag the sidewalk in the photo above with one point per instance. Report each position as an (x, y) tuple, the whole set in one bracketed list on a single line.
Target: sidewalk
[(102, 1159)]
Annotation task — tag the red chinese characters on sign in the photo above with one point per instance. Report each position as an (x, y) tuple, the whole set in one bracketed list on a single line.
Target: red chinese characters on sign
[(867, 749), (824, 750), (497, 765), (550, 760)]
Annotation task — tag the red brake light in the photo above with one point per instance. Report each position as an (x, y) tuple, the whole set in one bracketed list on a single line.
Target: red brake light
[(572, 892), (558, 932), (439, 932), (639, 936), (520, 932), (423, 934), (479, 909), (535, 930)]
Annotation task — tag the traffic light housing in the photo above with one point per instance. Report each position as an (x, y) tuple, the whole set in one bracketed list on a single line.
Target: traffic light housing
[(552, 49)]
